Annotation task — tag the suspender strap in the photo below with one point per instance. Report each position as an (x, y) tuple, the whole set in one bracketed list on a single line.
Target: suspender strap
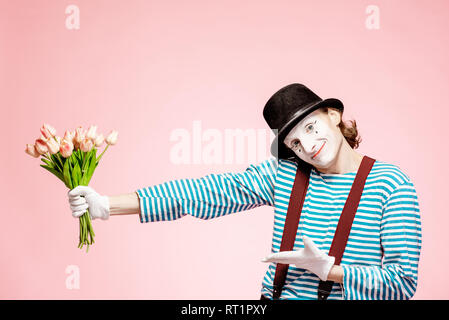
[(297, 197), (345, 222), (296, 202)]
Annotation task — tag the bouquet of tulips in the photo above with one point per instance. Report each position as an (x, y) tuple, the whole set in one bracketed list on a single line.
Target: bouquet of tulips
[(73, 160)]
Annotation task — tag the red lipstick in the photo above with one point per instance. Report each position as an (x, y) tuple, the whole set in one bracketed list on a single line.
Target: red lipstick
[(319, 150)]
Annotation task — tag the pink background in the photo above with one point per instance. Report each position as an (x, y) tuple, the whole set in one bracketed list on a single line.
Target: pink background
[(146, 68)]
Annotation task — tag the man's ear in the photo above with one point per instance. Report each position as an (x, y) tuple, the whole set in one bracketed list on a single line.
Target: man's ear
[(334, 116)]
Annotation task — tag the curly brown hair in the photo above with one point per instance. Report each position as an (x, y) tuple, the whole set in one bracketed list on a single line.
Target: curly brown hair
[(349, 130)]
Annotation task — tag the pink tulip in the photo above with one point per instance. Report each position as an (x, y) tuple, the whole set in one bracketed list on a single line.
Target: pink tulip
[(112, 138), (43, 138), (66, 148), (53, 145), (92, 133), (69, 135), (31, 150), (80, 134), (86, 145), (41, 146), (99, 140), (48, 131)]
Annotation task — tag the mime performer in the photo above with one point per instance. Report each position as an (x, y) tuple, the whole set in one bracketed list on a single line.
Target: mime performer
[(382, 246)]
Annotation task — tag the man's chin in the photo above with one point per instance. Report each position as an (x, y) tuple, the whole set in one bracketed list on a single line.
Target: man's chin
[(321, 162), (323, 165)]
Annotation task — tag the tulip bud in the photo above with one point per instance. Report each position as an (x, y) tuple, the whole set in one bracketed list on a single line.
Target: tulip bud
[(112, 138), (92, 133), (66, 148), (48, 131), (69, 135), (80, 134), (86, 145), (41, 146), (43, 138), (31, 150), (53, 145), (99, 140)]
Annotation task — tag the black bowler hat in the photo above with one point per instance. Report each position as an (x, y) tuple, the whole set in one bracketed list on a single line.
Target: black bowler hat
[(286, 108)]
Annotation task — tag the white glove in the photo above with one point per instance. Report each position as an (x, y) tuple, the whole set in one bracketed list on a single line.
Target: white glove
[(82, 198), (310, 258)]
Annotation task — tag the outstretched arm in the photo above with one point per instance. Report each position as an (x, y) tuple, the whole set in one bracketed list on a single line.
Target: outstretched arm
[(208, 197), (124, 204), (211, 196)]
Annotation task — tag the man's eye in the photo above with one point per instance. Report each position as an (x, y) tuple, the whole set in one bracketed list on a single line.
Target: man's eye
[(310, 127)]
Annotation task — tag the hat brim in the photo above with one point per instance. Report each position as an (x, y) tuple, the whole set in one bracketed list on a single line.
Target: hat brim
[(278, 148)]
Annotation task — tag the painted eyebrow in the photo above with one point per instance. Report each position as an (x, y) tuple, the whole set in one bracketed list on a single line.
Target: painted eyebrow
[(312, 122)]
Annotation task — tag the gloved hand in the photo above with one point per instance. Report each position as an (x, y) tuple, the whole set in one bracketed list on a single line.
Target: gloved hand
[(82, 198), (310, 258)]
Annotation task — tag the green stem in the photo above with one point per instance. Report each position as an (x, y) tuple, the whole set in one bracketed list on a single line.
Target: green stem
[(61, 159), (83, 158), (58, 162), (82, 229), (80, 245), (98, 159), (91, 230), (85, 226), (87, 234)]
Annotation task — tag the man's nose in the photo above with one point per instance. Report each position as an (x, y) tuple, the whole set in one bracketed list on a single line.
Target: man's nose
[(309, 147)]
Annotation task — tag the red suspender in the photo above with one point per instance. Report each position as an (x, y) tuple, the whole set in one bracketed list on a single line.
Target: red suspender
[(345, 222), (343, 228), (297, 197)]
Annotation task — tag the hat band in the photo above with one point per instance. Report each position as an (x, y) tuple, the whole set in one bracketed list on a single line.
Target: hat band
[(301, 111)]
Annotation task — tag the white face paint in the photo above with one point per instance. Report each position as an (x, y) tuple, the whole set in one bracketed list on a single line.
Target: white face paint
[(316, 139)]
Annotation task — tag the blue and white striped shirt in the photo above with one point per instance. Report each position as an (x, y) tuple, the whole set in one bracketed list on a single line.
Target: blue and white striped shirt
[(382, 253)]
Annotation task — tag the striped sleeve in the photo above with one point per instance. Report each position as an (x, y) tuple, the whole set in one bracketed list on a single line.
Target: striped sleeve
[(401, 243), (211, 196)]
